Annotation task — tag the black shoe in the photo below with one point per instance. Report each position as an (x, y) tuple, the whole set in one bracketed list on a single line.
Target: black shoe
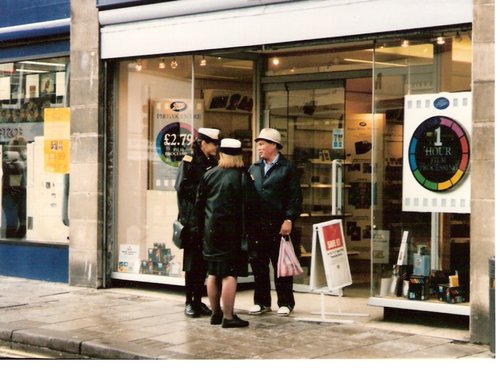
[(204, 310), (216, 318), (191, 311), (235, 322)]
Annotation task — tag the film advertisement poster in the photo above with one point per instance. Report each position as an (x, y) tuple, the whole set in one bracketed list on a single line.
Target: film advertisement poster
[(175, 123), (437, 149)]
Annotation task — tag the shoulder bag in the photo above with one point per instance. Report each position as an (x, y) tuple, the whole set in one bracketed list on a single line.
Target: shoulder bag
[(177, 234)]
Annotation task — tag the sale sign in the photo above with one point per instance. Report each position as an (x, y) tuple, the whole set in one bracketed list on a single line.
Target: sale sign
[(331, 264), (332, 235)]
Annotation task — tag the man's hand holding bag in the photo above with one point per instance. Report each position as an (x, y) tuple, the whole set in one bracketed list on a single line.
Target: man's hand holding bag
[(288, 264)]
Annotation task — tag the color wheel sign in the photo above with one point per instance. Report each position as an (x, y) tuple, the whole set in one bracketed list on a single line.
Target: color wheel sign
[(437, 152)]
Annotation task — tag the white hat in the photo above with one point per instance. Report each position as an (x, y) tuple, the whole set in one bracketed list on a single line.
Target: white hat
[(230, 146), (270, 135), (209, 135)]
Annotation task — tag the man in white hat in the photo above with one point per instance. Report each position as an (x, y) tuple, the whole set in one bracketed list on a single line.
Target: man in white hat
[(276, 181), (191, 169)]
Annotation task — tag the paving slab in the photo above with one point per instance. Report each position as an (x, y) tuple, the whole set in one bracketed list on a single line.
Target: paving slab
[(135, 324)]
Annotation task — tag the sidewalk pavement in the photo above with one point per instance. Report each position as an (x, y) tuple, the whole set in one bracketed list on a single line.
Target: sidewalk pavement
[(141, 323)]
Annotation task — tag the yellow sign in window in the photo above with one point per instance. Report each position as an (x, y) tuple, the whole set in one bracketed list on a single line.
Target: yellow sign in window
[(57, 140)]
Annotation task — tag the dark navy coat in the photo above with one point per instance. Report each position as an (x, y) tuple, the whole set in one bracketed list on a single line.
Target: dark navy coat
[(220, 203)]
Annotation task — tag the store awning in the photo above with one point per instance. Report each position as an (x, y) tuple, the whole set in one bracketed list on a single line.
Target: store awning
[(273, 23), (35, 30)]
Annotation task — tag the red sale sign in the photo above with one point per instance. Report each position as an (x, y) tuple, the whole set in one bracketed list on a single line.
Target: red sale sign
[(329, 259), (333, 237)]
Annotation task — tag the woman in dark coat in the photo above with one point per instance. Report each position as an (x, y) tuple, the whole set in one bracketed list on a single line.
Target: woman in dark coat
[(219, 207), (191, 170)]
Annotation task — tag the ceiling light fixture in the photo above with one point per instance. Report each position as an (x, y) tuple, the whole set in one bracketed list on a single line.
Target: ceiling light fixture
[(29, 70), (44, 63), (405, 44), (138, 65), (275, 61), (376, 62), (174, 64), (203, 61), (162, 64), (440, 40)]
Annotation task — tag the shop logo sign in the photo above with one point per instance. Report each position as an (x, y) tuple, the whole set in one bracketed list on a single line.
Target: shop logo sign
[(178, 106), (439, 153), (441, 103)]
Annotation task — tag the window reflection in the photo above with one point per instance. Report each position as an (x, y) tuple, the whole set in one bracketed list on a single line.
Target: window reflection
[(27, 88)]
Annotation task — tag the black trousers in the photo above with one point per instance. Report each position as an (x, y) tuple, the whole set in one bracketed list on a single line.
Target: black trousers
[(195, 268), (261, 254)]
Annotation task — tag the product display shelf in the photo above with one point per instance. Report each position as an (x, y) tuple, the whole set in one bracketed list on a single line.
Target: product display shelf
[(431, 305)]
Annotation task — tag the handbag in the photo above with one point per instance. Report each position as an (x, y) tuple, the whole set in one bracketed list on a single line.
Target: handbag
[(244, 243), (288, 264), (177, 235)]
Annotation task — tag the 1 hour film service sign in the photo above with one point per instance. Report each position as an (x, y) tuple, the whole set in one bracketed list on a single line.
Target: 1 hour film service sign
[(437, 152)]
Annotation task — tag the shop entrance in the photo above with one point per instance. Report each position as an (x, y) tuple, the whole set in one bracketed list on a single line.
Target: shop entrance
[(326, 129)]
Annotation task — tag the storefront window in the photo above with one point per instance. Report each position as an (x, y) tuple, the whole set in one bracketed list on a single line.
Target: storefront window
[(162, 102), (34, 138), (342, 120), (418, 229)]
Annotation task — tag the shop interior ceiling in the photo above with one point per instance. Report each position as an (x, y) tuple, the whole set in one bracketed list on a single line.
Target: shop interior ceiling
[(237, 65)]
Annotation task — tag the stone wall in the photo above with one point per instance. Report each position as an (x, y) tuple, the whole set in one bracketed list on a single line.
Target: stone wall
[(85, 254), (482, 166)]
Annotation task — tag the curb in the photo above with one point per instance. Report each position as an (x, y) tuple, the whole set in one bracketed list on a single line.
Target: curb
[(58, 341)]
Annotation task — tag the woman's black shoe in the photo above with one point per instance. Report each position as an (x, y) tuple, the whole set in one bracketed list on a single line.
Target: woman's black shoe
[(216, 318), (234, 322), (204, 310), (191, 311)]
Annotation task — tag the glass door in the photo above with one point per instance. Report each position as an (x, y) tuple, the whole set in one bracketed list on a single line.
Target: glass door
[(310, 118)]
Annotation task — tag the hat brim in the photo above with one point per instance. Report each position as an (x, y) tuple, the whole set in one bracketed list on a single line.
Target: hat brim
[(208, 139), (280, 146), (230, 151)]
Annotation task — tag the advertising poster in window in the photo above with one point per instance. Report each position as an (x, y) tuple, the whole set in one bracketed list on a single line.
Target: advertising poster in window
[(174, 128), (380, 251), (56, 140), (436, 153), (128, 258)]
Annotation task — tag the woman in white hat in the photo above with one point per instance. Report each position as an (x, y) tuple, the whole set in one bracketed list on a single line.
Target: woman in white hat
[(219, 206), (191, 169)]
